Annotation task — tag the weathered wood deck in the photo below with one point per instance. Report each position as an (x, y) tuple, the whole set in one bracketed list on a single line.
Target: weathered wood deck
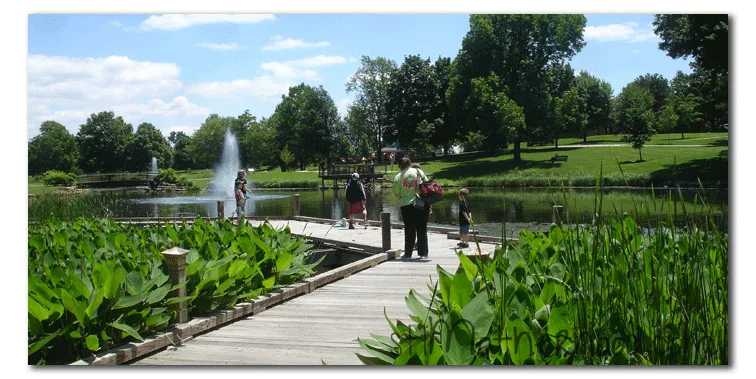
[(324, 324)]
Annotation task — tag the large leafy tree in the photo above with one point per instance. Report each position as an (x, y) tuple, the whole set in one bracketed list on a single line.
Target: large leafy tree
[(519, 49), (357, 131), (635, 115), (260, 144), (705, 38), (240, 126), (412, 96), (103, 143), (146, 143), (306, 121), (596, 95), (370, 86), (53, 149), (444, 130), (182, 150), (658, 86), (499, 118), (570, 113), (207, 141)]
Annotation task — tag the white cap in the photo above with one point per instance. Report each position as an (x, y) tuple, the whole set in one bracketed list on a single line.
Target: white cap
[(355, 176)]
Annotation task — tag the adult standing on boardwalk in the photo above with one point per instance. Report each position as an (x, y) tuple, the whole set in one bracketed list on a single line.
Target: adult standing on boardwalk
[(240, 193), (355, 195), (406, 187)]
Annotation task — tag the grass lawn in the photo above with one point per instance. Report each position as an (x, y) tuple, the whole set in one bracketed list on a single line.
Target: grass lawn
[(660, 165)]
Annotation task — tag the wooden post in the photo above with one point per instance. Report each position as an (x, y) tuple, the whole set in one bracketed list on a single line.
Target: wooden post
[(555, 214), (386, 230), (296, 205), (220, 210), (175, 264)]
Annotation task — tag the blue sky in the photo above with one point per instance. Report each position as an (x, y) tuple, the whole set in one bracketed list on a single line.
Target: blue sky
[(173, 70)]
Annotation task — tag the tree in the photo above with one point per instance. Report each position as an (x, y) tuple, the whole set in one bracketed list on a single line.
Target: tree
[(412, 93), (240, 126), (499, 118), (260, 144), (705, 37), (53, 149), (596, 96), (103, 141), (358, 133), (445, 132), (519, 49), (182, 156), (667, 119), (306, 120), (570, 113), (287, 158), (658, 86), (207, 141), (146, 143), (370, 84), (635, 114)]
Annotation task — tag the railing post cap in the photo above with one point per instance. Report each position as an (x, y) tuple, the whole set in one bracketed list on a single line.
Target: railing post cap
[(175, 251)]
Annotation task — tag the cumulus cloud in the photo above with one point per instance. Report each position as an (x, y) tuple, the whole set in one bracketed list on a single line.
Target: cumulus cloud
[(628, 32), (220, 46), (270, 86), (68, 90), (182, 21), (281, 43)]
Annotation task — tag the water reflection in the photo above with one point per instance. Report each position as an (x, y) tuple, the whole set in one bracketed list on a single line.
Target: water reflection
[(489, 206)]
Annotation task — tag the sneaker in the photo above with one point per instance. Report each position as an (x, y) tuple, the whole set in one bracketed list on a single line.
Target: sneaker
[(366, 226), (405, 256), (351, 226), (464, 245), (423, 257), (460, 243)]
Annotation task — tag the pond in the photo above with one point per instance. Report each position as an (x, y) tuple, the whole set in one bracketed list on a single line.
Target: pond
[(490, 206)]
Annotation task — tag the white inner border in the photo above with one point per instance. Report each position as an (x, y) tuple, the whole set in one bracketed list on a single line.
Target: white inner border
[(735, 326)]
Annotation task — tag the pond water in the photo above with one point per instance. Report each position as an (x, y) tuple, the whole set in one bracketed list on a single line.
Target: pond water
[(490, 206)]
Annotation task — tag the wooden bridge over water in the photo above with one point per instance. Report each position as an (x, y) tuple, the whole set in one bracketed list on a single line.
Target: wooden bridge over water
[(344, 171), (316, 321), (115, 180)]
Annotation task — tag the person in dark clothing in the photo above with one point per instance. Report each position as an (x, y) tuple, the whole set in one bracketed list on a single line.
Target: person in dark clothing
[(465, 217), (355, 195), (406, 188)]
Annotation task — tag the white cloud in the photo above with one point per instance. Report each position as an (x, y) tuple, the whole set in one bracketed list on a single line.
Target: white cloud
[(119, 25), (629, 32), (220, 46), (181, 21), (275, 82), (635, 51), (281, 43), (68, 90)]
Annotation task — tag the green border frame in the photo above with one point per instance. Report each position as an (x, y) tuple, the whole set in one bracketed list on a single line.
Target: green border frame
[(14, 151)]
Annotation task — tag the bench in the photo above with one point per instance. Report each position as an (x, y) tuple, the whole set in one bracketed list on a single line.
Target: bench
[(562, 158)]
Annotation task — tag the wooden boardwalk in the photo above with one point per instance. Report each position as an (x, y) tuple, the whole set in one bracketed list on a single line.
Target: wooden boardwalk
[(322, 326)]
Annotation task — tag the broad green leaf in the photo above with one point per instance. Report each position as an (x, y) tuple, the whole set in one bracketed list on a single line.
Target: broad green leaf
[(134, 282), (480, 313), (520, 343), (93, 343), (129, 301), (78, 285), (95, 302), (128, 329), (415, 306), (44, 341), (461, 290), (560, 327), (268, 283), (470, 269), (37, 241), (283, 261), (158, 294), (73, 306), (37, 311)]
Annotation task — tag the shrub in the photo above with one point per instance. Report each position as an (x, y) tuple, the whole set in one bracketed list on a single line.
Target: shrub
[(58, 178)]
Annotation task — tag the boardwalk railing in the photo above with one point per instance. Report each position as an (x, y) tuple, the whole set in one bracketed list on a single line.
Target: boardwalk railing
[(344, 171)]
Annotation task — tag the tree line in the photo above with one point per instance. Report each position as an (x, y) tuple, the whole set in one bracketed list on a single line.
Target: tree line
[(510, 83)]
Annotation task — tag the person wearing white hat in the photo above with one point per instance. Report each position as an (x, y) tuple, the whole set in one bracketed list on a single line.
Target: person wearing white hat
[(355, 195)]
